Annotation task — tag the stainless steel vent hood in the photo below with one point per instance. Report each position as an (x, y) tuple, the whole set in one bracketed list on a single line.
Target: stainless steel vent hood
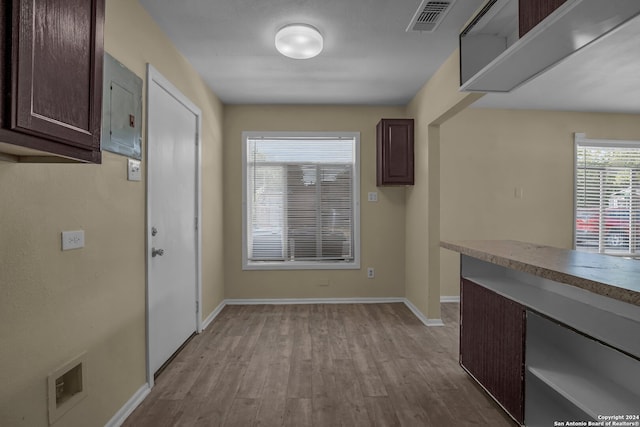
[(493, 58)]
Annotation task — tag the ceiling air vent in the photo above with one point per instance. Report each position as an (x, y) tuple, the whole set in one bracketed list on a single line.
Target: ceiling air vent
[(429, 15)]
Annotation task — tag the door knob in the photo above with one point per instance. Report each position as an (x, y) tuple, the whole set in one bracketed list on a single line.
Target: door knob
[(154, 231), (157, 252)]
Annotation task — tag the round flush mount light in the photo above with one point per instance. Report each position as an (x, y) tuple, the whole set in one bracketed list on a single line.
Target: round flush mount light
[(299, 41)]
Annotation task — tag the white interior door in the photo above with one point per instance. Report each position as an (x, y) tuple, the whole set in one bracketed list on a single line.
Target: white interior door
[(172, 209)]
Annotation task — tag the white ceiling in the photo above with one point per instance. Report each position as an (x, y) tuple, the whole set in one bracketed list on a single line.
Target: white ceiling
[(369, 58)]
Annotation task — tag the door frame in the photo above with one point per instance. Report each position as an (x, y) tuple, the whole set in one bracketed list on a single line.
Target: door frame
[(154, 77)]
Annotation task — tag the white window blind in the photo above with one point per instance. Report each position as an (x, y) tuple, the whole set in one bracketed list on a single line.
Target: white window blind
[(607, 196), (300, 199)]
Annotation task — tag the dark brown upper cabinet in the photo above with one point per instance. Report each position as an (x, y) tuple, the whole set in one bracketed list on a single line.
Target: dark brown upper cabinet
[(394, 152), (531, 13), (506, 43), (52, 55)]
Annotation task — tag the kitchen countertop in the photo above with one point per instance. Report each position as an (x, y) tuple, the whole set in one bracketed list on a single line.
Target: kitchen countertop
[(610, 276)]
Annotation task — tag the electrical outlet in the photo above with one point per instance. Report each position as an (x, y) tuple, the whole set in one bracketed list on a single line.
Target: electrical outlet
[(72, 240), (372, 196), (322, 282), (371, 273)]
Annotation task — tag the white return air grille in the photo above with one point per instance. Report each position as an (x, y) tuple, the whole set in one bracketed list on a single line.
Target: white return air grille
[(429, 15)]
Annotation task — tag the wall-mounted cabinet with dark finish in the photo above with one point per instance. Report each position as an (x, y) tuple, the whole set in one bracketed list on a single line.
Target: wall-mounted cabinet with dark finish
[(394, 152), (51, 82), (531, 13), (506, 43)]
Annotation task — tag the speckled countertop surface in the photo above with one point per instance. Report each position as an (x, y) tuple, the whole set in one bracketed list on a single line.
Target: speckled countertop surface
[(614, 277)]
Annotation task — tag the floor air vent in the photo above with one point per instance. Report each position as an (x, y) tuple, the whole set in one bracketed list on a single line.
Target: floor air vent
[(429, 15)]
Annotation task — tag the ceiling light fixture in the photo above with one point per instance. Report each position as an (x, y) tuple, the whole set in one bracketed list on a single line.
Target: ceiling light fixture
[(299, 41)]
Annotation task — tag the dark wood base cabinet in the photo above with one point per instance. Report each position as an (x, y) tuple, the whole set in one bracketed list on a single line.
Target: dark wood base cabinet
[(492, 330), (51, 79), (551, 347)]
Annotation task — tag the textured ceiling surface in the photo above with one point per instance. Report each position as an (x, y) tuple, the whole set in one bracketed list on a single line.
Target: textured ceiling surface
[(369, 58)]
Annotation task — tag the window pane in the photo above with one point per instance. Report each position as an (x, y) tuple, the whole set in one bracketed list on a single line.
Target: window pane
[(266, 219), (608, 198), (336, 211), (301, 211), (300, 199)]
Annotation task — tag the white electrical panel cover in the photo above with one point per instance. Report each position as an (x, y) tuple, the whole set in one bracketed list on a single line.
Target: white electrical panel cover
[(121, 109)]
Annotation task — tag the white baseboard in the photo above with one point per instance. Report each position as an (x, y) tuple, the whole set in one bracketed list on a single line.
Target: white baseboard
[(287, 301), (425, 321), (413, 308), (129, 407), (210, 318), (434, 322)]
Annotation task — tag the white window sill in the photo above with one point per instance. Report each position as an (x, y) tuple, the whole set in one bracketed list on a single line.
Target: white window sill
[(302, 265)]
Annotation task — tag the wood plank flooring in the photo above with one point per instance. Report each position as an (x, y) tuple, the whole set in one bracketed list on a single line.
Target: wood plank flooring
[(319, 365)]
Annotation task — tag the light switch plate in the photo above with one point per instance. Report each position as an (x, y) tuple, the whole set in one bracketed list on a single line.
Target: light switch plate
[(72, 240), (518, 192), (133, 170)]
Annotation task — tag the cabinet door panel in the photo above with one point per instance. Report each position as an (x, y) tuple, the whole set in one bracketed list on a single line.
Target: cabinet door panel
[(492, 344), (531, 13), (398, 152), (395, 152), (57, 70)]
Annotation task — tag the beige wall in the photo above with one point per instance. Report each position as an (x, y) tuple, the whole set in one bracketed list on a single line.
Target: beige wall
[(382, 223), (468, 164), (55, 305), (486, 154), (437, 101)]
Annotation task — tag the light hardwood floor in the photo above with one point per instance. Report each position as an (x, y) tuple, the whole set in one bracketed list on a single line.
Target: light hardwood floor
[(319, 365)]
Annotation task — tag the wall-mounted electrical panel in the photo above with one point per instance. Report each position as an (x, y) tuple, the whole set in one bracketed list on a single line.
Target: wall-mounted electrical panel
[(121, 110)]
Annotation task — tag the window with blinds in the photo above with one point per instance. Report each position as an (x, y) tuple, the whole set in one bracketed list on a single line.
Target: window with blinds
[(607, 196), (301, 200)]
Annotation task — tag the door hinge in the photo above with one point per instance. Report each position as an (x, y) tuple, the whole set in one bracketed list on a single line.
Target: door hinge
[(196, 223), (197, 306)]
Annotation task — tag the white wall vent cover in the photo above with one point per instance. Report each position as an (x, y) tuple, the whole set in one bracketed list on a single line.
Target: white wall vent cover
[(429, 15)]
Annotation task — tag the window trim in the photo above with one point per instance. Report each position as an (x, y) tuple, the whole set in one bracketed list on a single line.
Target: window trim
[(303, 265), (580, 139)]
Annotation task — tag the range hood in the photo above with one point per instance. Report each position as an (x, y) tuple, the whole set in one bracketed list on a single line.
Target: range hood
[(495, 58)]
